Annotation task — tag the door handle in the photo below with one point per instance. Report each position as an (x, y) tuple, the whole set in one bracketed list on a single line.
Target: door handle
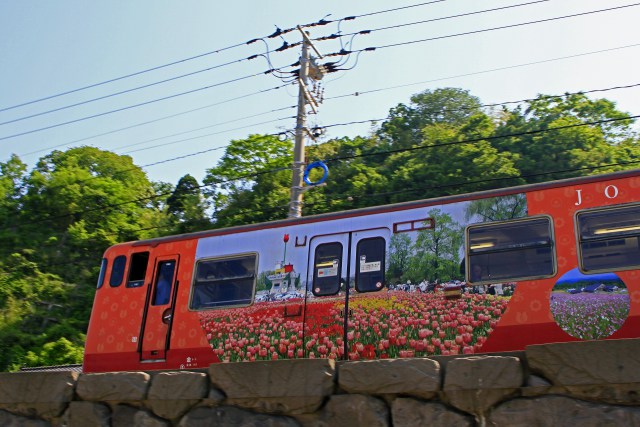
[(166, 316)]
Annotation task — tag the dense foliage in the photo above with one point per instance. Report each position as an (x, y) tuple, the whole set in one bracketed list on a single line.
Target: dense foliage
[(57, 219)]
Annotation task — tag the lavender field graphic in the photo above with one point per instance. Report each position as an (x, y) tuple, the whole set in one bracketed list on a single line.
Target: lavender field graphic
[(590, 307)]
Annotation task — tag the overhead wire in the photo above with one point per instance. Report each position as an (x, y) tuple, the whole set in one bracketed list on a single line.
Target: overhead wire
[(277, 33), (484, 30), (175, 158), (215, 104), (164, 98), (342, 53), (340, 158)]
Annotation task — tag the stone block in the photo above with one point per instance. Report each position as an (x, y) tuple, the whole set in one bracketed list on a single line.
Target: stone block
[(416, 377), (561, 411), (348, 410), (229, 416), (88, 414), (127, 416), (407, 412), (474, 384), (113, 387), (37, 394), (171, 394), (281, 386), (8, 419), (607, 370)]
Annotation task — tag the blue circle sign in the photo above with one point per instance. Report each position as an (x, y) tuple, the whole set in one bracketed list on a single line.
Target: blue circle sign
[(315, 165)]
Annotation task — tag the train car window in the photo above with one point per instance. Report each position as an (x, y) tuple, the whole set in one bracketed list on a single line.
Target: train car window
[(510, 250), (103, 271), (224, 282), (370, 256), (327, 270), (137, 269), (609, 238), (117, 271), (164, 282)]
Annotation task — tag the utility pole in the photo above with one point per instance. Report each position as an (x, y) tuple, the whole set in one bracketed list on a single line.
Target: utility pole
[(304, 98)]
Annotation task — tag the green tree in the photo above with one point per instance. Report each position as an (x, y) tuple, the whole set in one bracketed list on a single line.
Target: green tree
[(497, 208), (437, 250), (573, 149), (447, 106), (79, 202), (250, 165), (59, 352), (399, 255), (187, 207)]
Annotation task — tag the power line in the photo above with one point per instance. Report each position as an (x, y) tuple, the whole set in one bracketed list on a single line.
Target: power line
[(158, 67), (358, 93), (236, 98), (333, 125), (480, 139), (582, 92), (124, 77), (254, 175), (213, 125), (209, 134), (237, 79), (466, 33), (119, 93), (459, 15)]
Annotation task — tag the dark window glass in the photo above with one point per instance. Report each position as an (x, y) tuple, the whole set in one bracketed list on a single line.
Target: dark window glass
[(224, 282), (609, 239), (370, 258), (138, 269), (164, 282), (518, 249), (117, 271), (103, 271), (327, 270)]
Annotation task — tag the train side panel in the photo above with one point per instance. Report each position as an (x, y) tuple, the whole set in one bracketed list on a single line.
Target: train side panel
[(372, 284)]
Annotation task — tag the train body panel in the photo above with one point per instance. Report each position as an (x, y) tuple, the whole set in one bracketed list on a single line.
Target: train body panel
[(492, 271)]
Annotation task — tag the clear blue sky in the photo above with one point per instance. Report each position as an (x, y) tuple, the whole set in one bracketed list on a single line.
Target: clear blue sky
[(52, 47)]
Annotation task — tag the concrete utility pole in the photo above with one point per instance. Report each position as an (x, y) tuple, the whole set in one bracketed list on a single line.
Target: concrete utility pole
[(304, 98)]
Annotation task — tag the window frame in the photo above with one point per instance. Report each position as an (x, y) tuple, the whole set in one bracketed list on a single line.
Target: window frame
[(339, 275), (194, 281), (580, 240), (134, 264), (551, 244), (383, 264)]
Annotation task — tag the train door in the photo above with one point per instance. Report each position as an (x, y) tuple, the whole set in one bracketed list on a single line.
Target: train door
[(343, 267), (158, 315)]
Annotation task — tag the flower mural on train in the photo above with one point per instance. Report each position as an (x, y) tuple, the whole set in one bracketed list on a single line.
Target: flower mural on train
[(590, 307), (399, 324), (423, 308)]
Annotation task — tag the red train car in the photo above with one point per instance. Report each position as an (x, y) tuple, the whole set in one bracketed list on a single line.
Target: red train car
[(476, 273)]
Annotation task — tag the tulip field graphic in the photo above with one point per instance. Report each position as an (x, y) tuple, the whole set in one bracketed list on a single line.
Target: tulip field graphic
[(393, 325), (590, 316), (590, 307)]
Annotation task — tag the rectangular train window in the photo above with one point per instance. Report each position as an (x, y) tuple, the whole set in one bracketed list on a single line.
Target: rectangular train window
[(609, 238), (117, 271), (224, 282), (510, 250), (327, 270), (138, 269), (370, 258)]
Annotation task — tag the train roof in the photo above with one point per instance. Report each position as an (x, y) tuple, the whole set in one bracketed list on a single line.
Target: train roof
[(387, 208)]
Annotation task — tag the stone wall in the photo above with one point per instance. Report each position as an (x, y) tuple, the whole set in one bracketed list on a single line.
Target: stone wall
[(585, 383)]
